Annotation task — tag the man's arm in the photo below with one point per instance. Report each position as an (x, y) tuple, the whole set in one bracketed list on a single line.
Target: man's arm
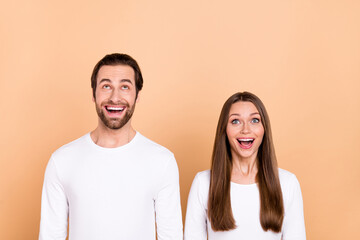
[(54, 206), (167, 205)]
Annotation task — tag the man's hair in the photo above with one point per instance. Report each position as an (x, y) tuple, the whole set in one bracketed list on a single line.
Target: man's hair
[(271, 201), (118, 59)]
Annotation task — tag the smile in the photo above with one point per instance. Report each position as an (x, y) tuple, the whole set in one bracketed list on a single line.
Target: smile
[(112, 109), (246, 143)]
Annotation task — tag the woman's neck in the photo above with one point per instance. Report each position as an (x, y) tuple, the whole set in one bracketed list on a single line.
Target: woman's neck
[(244, 170)]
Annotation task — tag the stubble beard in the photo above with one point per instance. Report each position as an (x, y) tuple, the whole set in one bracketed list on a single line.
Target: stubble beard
[(115, 123)]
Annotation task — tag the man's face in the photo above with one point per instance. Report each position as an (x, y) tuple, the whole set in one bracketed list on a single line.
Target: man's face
[(115, 95)]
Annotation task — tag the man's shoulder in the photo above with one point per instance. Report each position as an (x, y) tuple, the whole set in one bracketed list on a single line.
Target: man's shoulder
[(149, 146), (72, 147)]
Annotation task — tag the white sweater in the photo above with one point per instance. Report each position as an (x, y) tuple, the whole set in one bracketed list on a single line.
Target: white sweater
[(245, 204), (111, 193)]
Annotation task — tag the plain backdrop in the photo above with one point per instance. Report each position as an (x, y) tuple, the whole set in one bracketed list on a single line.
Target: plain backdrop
[(301, 57)]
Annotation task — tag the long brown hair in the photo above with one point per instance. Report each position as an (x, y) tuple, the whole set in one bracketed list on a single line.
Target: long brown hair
[(271, 201)]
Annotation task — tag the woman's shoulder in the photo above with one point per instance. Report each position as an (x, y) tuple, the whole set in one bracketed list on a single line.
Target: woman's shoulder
[(285, 175), (200, 187), (202, 181), (287, 178), (203, 174), (288, 181), (203, 177)]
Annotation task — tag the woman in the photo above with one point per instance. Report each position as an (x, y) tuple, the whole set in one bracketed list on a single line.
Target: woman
[(244, 195)]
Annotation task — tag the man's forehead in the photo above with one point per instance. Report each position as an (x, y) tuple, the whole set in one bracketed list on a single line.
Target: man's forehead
[(113, 72)]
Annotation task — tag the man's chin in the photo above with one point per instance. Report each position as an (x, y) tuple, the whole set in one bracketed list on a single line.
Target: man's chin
[(114, 124)]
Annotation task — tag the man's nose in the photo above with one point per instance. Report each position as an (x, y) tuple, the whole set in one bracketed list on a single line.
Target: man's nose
[(116, 96)]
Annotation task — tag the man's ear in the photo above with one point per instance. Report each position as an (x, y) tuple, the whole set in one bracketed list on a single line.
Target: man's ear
[(92, 95), (138, 97)]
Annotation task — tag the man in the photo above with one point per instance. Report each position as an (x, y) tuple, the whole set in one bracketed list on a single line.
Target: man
[(112, 183)]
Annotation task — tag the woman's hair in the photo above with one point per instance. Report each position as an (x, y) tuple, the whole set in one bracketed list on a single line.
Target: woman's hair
[(271, 201)]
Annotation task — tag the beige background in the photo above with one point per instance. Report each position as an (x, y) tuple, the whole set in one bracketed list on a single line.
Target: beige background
[(301, 57)]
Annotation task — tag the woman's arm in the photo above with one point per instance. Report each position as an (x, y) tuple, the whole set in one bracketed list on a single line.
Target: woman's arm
[(294, 225), (196, 213)]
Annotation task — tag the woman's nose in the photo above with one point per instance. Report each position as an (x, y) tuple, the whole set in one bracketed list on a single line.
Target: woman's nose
[(245, 128)]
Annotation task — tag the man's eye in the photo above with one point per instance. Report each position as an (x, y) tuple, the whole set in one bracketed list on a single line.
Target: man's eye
[(106, 87), (255, 120), (125, 87), (235, 121)]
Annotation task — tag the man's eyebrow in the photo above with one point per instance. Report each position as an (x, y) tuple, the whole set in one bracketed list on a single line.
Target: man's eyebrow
[(104, 80), (122, 80), (126, 80)]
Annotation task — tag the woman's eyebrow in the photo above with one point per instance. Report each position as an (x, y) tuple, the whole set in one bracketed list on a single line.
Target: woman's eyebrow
[(251, 114)]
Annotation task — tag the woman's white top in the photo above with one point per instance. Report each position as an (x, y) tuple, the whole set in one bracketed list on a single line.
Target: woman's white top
[(245, 204)]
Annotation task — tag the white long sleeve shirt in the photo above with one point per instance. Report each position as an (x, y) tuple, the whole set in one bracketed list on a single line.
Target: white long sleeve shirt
[(128, 192), (245, 204)]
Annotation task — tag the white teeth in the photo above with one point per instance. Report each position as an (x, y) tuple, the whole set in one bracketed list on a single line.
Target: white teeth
[(115, 108), (246, 139)]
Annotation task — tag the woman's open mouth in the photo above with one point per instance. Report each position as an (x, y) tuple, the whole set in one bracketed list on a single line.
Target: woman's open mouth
[(246, 143)]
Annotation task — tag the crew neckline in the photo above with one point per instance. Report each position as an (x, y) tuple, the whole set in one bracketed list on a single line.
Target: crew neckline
[(243, 185), (115, 149)]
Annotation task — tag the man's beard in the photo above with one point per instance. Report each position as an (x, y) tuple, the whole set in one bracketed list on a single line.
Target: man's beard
[(115, 123)]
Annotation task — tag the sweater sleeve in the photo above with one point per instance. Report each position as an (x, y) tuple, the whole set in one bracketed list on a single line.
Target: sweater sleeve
[(167, 205), (294, 225), (54, 206), (196, 216)]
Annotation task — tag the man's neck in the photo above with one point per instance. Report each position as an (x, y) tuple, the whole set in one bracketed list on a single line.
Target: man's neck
[(111, 138)]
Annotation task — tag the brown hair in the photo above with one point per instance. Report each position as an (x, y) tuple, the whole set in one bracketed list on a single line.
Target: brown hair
[(271, 201), (118, 59)]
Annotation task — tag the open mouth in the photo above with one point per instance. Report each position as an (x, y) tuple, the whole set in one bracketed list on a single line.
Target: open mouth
[(112, 109), (246, 142)]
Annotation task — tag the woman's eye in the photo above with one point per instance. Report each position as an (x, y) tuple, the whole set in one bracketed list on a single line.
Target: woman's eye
[(235, 121), (255, 120)]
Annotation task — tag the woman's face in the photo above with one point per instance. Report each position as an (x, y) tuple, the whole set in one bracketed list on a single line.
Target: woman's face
[(244, 130)]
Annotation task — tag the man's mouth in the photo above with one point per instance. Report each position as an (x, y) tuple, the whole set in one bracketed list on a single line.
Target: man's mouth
[(246, 142), (112, 109)]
